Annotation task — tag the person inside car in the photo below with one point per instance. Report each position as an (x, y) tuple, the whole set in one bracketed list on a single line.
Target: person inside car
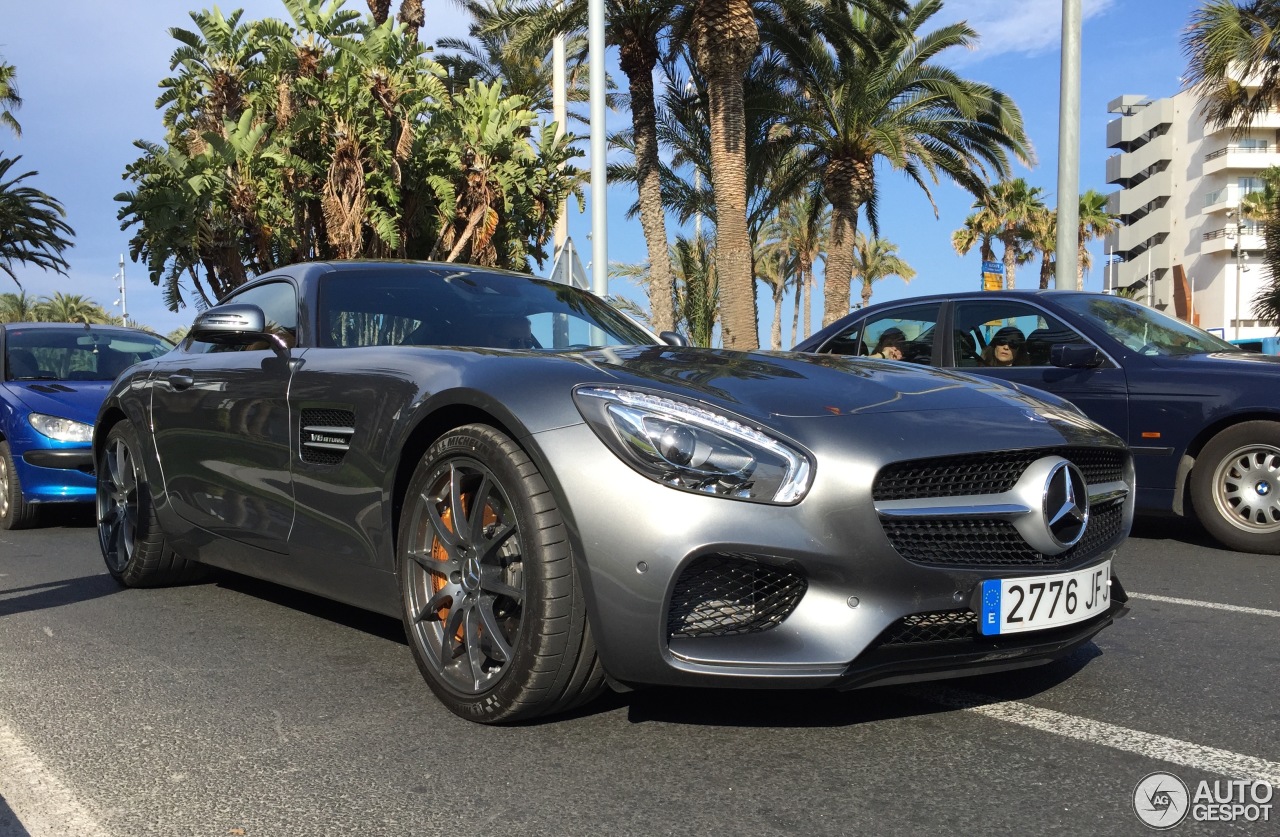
[(1007, 348), (889, 346)]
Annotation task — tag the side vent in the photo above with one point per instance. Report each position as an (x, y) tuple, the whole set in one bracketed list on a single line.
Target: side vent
[(326, 435)]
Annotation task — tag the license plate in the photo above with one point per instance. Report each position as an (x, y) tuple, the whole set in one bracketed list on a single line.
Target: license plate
[(1033, 603)]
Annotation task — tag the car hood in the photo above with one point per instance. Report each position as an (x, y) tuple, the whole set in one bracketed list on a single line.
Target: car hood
[(1235, 361), (75, 400), (761, 384)]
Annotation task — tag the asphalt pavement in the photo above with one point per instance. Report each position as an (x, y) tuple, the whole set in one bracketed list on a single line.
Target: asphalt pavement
[(235, 707)]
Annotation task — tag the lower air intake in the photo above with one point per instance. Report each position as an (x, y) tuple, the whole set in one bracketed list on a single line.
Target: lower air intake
[(728, 595)]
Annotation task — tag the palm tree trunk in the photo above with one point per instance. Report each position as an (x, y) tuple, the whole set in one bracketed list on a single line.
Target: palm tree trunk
[(725, 39), (866, 293), (795, 309), (775, 336), (1010, 262), (808, 303), (1046, 271), (843, 181), (637, 61)]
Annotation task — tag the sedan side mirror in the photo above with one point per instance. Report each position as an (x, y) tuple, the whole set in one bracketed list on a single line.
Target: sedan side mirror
[(674, 338), (1075, 356), (237, 324)]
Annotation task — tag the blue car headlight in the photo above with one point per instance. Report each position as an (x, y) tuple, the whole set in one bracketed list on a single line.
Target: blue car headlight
[(61, 429), (693, 448)]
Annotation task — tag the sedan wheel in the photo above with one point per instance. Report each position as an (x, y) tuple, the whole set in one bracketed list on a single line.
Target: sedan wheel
[(1236, 487), (132, 543), (15, 512), (484, 576)]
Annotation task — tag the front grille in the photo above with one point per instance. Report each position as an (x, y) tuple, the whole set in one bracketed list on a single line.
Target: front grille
[(944, 542), (986, 473), (340, 421), (938, 626), (727, 595)]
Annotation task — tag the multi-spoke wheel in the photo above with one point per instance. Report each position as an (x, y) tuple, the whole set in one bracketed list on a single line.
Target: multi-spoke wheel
[(485, 572), (15, 511), (1235, 486), (132, 543)]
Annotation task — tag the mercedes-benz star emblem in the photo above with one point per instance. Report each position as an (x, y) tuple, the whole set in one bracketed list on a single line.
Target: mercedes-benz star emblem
[(1066, 504)]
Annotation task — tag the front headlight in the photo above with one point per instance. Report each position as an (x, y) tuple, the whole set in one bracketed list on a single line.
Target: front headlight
[(62, 429), (693, 448)]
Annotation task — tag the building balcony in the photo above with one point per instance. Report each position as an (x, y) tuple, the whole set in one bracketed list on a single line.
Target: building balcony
[(1223, 240), (1128, 130), (1269, 121), (1125, 169), (1241, 158)]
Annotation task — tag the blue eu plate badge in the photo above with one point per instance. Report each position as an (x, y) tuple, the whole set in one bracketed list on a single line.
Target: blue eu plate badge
[(990, 623)]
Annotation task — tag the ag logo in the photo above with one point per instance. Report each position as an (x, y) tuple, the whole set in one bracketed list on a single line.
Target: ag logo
[(1161, 800)]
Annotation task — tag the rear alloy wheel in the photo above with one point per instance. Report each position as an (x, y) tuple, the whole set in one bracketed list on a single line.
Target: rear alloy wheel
[(491, 602), (1235, 487), (132, 543), (15, 512)]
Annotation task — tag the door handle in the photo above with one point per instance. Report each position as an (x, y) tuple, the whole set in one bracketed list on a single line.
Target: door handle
[(181, 380)]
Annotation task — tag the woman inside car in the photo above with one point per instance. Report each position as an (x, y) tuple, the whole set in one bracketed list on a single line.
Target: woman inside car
[(1007, 348)]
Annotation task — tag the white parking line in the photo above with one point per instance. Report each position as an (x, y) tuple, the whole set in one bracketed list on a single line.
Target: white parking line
[(1173, 750), (42, 805), (1254, 611)]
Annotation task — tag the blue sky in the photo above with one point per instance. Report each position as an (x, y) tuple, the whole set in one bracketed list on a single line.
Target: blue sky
[(88, 71)]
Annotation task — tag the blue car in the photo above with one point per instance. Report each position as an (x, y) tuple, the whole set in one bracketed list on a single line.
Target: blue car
[(1201, 416), (55, 378)]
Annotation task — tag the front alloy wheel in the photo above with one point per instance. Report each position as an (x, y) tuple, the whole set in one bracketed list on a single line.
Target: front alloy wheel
[(466, 587), (490, 595)]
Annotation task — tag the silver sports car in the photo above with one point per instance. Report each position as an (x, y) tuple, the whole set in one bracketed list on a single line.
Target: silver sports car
[(553, 499)]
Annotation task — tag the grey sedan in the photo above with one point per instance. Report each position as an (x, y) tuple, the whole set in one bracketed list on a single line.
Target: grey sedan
[(553, 499)]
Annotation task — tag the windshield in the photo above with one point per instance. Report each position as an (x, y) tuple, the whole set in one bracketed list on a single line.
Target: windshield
[(428, 306), (1143, 329), (74, 354)]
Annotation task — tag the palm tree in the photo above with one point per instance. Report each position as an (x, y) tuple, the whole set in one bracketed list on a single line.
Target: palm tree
[(32, 229), (1095, 222), (19, 308), (872, 92), (1007, 210), (1225, 44), (695, 293), (9, 98), (978, 231), (70, 308), (877, 259), (771, 268), (1043, 237), (723, 39)]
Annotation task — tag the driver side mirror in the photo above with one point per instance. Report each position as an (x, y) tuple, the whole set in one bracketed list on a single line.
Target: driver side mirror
[(238, 324), (1075, 356)]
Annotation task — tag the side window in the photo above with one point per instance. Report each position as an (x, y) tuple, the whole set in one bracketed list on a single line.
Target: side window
[(1003, 333), (901, 334), (279, 303)]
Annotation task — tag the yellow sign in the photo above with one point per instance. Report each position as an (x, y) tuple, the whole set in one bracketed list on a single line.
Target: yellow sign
[(992, 282)]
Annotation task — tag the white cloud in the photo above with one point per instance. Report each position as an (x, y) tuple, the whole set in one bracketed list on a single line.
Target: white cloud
[(1028, 27)]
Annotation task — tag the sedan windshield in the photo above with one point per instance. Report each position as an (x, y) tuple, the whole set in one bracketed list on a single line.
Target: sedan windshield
[(72, 354), (428, 306), (1143, 329)]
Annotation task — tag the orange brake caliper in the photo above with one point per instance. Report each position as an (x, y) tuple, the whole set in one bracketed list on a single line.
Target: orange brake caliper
[(440, 553)]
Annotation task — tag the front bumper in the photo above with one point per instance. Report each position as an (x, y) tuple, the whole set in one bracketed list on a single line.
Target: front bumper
[(636, 541), (56, 475)]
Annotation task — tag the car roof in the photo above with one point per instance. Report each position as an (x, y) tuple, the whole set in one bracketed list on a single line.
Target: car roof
[(79, 326)]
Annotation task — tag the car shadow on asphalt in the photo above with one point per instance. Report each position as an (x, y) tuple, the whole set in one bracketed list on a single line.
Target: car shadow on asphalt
[(726, 707), (58, 593), (1185, 530), (10, 825)]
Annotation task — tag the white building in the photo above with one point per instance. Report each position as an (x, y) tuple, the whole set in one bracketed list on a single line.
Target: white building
[(1180, 190)]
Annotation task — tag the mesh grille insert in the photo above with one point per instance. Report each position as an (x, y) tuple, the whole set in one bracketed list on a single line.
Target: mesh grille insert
[(986, 473), (725, 595), (938, 626), (940, 542)]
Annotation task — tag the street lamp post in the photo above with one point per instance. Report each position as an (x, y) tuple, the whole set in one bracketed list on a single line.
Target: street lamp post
[(1241, 256)]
